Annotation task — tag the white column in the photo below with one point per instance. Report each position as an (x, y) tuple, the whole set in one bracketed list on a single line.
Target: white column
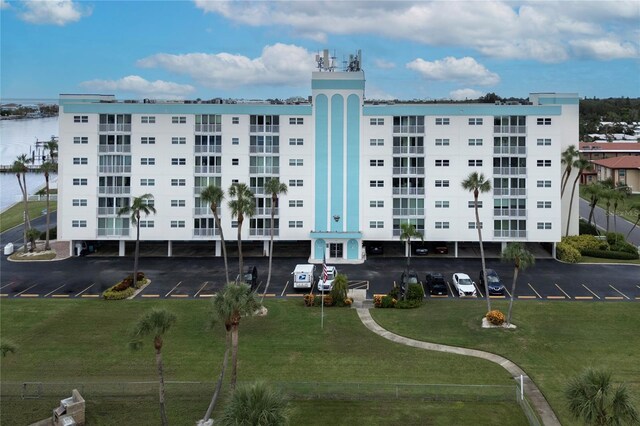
[(218, 248), (265, 247), (169, 248), (503, 246), (553, 250), (121, 248), (455, 249)]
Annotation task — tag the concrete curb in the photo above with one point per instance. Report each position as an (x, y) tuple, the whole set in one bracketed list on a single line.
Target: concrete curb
[(540, 404)]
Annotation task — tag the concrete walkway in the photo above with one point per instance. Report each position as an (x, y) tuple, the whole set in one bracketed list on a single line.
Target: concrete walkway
[(536, 398)]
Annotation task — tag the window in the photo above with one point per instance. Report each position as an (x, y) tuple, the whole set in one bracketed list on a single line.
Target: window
[(544, 184), (475, 142), (235, 141), (296, 162), (80, 160), (234, 181), (442, 163), (442, 204), (376, 224), (177, 223), (376, 163), (472, 225), (178, 161), (544, 225), (296, 120), (79, 223), (471, 204), (543, 163), (179, 119), (376, 183), (296, 203), (295, 182), (150, 140), (178, 182), (79, 202), (148, 119), (376, 203), (296, 141), (442, 142), (82, 139), (544, 142), (543, 121), (295, 224), (147, 224), (147, 161), (79, 181), (442, 184), (178, 141), (544, 204), (376, 142), (149, 202), (234, 223), (147, 182), (475, 122), (442, 121), (178, 203), (235, 120), (376, 121), (235, 161), (80, 118), (475, 163), (442, 225)]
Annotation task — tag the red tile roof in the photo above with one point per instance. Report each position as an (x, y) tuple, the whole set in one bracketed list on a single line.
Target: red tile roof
[(609, 146), (625, 162)]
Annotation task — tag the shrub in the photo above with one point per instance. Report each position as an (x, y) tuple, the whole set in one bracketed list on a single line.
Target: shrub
[(53, 234), (623, 246), (328, 300), (586, 242), (408, 304), (112, 294), (309, 299), (611, 254), (415, 292), (615, 237), (567, 253), (395, 292), (586, 228), (377, 300), (347, 302), (339, 289), (122, 285), (495, 317), (388, 302)]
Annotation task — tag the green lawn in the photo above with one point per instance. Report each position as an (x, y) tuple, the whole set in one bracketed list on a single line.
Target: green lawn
[(14, 215), (554, 341), (624, 207), (85, 341)]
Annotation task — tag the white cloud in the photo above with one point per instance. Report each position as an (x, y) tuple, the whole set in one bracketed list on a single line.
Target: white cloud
[(280, 64), (56, 12), (463, 94), (4, 5), (382, 64), (604, 49), (465, 70), (139, 86)]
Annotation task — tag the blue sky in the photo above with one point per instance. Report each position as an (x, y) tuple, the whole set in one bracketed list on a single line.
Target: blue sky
[(266, 49)]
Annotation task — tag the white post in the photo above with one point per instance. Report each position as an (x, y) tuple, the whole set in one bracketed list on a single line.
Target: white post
[(322, 308), (521, 387)]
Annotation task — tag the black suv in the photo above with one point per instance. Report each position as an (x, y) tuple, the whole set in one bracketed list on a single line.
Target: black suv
[(493, 283), (436, 283), (250, 277)]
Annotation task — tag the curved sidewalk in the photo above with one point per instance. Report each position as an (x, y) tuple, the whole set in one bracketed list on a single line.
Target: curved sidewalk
[(536, 398)]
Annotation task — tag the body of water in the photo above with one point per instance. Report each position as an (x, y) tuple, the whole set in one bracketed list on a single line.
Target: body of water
[(19, 137)]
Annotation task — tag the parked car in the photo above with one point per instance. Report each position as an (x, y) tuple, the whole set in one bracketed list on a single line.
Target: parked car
[(436, 283), (250, 276), (375, 248), (463, 285), (440, 247), (494, 285), (420, 249), (407, 278), (328, 284)]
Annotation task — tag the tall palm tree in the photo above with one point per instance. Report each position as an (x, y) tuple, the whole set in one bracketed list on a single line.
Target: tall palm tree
[(407, 232), (593, 399), (214, 195), (52, 147), (138, 206), (620, 195), (581, 164), (242, 205), (273, 187), (156, 323), (636, 207), (256, 404), (594, 191), (477, 183), (567, 159), (47, 168), (20, 168), (522, 258)]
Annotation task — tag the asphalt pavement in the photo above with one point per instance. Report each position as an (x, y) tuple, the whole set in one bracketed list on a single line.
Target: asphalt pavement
[(616, 223)]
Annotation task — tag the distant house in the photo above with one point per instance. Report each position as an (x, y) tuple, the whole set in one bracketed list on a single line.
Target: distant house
[(601, 150), (622, 170)]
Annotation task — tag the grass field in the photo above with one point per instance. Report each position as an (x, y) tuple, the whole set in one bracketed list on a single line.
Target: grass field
[(14, 215), (554, 341), (85, 341), (624, 207)]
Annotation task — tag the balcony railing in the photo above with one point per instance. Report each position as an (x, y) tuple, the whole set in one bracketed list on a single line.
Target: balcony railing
[(263, 232), (108, 211), (113, 232), (114, 169), (119, 127), (518, 150), (510, 191), (498, 233), (114, 148), (207, 169), (262, 211), (408, 170), (204, 211), (269, 170), (510, 212), (114, 190), (397, 232), (207, 148), (519, 130), (416, 128), (257, 190), (205, 232), (254, 128), (510, 171), (408, 149), (264, 149), (408, 191), (409, 212), (208, 128)]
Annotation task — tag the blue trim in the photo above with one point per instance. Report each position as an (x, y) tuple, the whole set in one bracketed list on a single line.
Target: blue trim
[(337, 84), (335, 235), (556, 101), (460, 109), (337, 162), (353, 163), (321, 162), (352, 250), (179, 108)]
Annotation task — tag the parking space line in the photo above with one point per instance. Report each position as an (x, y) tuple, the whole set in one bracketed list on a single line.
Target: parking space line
[(90, 295), (51, 292), (439, 296), (270, 295), (614, 298), (150, 295), (285, 288), (4, 295), (174, 287), (589, 290), (77, 295), (207, 295), (28, 295), (25, 290), (450, 288), (556, 297), (179, 295), (479, 291), (625, 296), (496, 297), (563, 292), (527, 297), (295, 295), (505, 289), (534, 290), (583, 297), (6, 285), (201, 288)]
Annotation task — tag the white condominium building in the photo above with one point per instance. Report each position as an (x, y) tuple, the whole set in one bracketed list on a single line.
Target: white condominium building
[(355, 170)]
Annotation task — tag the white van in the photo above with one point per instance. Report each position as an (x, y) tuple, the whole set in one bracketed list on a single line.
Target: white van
[(304, 276), (331, 275)]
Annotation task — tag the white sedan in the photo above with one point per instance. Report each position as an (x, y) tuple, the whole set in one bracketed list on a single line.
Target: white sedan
[(463, 285)]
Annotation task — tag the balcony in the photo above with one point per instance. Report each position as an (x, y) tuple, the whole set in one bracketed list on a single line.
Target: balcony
[(408, 170), (205, 232), (264, 128), (416, 129), (397, 232), (265, 211), (116, 128), (518, 130), (509, 212), (207, 170), (408, 191), (511, 150), (263, 232), (114, 190), (409, 212), (497, 233), (264, 149), (408, 149), (208, 128), (108, 211), (513, 192), (207, 149), (510, 171), (205, 211), (112, 232), (266, 170), (114, 148), (257, 190), (114, 169)]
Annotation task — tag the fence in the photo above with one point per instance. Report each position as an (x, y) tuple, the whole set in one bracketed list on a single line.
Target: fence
[(529, 412)]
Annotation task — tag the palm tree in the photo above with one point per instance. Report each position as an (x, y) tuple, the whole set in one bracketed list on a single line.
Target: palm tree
[(154, 323), (593, 399), (594, 191), (636, 207), (275, 188), (7, 346), (138, 206), (47, 168), (20, 169), (32, 235), (620, 195), (256, 404), (243, 204), (52, 147), (517, 253), (477, 183), (579, 164), (214, 195), (568, 158), (408, 231)]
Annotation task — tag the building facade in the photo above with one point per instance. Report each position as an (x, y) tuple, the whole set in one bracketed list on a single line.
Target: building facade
[(356, 170)]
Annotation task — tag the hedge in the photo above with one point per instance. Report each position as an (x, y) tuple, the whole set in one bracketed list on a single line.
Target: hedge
[(586, 242), (568, 253), (610, 254)]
